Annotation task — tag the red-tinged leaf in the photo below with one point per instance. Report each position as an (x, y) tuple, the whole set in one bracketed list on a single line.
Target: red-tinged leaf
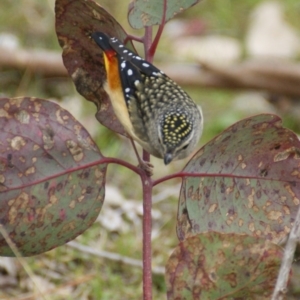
[(250, 182), (143, 13), (51, 189), (76, 20), (223, 266)]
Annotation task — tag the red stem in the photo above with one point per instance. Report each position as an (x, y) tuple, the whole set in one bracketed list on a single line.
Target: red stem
[(188, 174), (147, 201), (153, 47), (146, 156), (147, 43), (104, 160), (147, 230), (149, 46), (146, 180), (133, 38)]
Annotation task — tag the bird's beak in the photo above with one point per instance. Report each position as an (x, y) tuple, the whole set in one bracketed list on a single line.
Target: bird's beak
[(168, 158)]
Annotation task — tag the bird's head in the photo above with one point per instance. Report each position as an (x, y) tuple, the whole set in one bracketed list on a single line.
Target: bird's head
[(178, 134)]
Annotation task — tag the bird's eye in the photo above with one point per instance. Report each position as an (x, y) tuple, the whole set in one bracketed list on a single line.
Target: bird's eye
[(183, 148)]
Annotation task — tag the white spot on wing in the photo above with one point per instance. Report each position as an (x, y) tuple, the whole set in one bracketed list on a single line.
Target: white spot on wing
[(138, 58), (127, 90), (129, 72), (146, 65), (123, 65)]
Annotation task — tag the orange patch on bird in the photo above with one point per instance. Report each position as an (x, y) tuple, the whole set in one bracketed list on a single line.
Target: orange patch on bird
[(112, 70), (110, 54)]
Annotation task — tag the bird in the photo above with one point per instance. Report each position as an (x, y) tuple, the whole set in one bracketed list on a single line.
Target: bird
[(154, 111)]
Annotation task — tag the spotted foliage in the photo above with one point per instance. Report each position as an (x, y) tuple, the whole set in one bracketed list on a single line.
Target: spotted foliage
[(223, 266), (76, 20), (249, 182), (147, 13), (50, 191)]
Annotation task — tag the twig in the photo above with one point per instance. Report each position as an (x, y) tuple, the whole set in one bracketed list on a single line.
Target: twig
[(283, 276), (114, 257), (147, 199), (22, 262), (147, 39), (152, 49)]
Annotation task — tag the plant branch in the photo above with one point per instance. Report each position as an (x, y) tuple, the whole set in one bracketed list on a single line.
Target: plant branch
[(133, 38), (188, 174), (113, 160), (153, 46), (147, 43), (137, 170), (146, 156), (147, 230), (104, 160)]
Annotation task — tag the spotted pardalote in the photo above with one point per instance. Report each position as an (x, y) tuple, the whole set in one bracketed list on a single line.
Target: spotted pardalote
[(154, 110)]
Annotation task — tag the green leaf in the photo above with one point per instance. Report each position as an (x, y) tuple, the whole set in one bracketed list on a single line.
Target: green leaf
[(76, 20), (51, 186), (143, 13), (249, 182), (223, 266)]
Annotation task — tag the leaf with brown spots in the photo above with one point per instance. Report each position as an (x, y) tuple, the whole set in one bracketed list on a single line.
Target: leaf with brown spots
[(223, 266), (76, 20), (250, 182), (143, 13), (51, 186)]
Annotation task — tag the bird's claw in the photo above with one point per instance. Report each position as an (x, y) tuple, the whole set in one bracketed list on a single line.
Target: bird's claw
[(147, 167)]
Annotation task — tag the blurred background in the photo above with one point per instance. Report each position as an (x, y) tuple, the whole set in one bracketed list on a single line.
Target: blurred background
[(235, 59)]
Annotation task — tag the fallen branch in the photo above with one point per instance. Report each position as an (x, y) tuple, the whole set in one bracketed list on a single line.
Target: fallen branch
[(276, 76), (48, 63), (273, 76)]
